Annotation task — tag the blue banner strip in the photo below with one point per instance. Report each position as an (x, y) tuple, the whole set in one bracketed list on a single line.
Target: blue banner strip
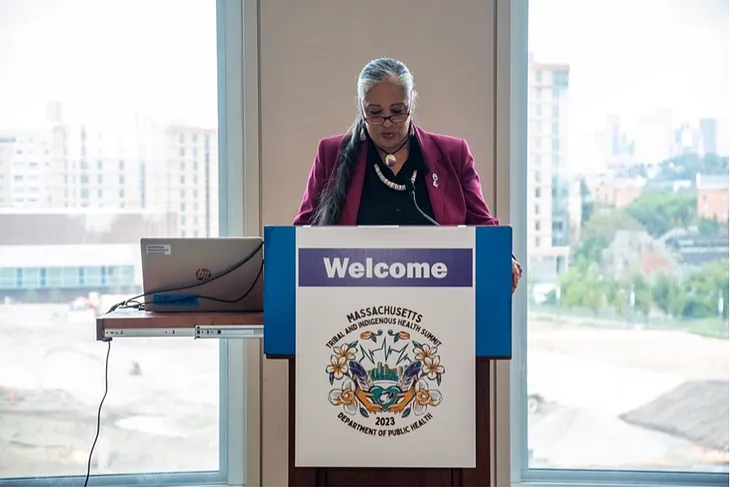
[(280, 293), (493, 289)]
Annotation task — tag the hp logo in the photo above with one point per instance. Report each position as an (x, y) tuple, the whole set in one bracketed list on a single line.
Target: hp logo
[(203, 274)]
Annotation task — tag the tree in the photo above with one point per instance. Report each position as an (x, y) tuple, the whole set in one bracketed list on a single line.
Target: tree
[(669, 294), (571, 290), (642, 294), (681, 167), (710, 227), (660, 212), (582, 288), (593, 294), (617, 296), (704, 287), (590, 250), (607, 223), (687, 166)]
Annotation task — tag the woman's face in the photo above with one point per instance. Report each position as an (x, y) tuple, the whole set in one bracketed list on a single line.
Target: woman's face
[(386, 100)]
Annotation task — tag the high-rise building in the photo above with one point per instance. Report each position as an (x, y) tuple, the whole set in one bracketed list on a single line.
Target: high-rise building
[(708, 135), (550, 185), (135, 164), (615, 148), (28, 174)]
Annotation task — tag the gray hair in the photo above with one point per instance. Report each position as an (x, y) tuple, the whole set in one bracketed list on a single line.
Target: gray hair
[(333, 195), (385, 69)]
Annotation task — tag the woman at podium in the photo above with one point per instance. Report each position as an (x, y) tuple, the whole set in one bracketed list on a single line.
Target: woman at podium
[(386, 170)]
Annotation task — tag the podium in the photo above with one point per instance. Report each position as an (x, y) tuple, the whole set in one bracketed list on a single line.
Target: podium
[(388, 332)]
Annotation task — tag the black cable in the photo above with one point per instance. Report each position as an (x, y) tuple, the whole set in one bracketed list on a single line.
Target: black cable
[(240, 298), (98, 414), (125, 304), (411, 189), (141, 305), (133, 303), (214, 299)]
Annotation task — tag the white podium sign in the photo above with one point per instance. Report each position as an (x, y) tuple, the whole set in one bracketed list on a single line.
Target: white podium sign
[(385, 347)]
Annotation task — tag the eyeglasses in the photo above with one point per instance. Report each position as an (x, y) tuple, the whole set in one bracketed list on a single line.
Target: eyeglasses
[(394, 119)]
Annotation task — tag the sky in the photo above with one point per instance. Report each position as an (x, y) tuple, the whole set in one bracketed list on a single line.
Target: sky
[(632, 57), (104, 58)]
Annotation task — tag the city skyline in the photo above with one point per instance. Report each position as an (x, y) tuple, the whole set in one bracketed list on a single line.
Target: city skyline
[(629, 65), (121, 74), (108, 134)]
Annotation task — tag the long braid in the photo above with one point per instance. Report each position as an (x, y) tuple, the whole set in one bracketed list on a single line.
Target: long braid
[(330, 202)]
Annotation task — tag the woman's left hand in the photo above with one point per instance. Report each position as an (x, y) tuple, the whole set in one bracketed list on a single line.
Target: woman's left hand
[(516, 274)]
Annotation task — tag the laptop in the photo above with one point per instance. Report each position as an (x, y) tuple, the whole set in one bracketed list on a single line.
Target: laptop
[(188, 274)]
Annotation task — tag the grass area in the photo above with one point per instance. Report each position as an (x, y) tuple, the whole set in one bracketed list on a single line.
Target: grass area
[(710, 327)]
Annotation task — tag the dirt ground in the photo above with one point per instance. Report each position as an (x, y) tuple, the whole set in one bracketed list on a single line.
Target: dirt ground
[(689, 356), (595, 379), (161, 413), (162, 410)]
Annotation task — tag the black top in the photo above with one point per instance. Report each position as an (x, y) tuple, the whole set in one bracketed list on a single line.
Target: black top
[(380, 205)]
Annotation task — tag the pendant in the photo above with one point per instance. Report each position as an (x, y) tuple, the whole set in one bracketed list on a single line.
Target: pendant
[(390, 161)]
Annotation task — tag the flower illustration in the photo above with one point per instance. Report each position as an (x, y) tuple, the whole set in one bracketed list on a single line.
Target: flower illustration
[(424, 351), (345, 351), (432, 367), (425, 397), (345, 397), (337, 367)]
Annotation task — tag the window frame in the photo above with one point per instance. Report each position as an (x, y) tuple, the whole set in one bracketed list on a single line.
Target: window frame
[(239, 443), (510, 396)]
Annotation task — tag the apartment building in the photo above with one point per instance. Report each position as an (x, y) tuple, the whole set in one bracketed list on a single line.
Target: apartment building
[(552, 192), (131, 164), (712, 197)]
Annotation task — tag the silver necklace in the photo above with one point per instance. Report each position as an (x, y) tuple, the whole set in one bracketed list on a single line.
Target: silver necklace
[(393, 185)]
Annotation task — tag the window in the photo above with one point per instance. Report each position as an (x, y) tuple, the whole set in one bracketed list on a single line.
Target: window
[(171, 416), (625, 338)]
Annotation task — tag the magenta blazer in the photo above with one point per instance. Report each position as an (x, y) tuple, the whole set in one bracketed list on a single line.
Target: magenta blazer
[(457, 200)]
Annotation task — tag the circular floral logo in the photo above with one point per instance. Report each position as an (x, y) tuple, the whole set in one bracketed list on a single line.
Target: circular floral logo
[(380, 378)]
